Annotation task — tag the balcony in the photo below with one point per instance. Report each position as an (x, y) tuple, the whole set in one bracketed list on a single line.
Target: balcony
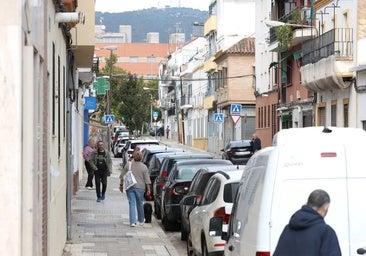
[(186, 102), (210, 25), (83, 40), (327, 59), (300, 23)]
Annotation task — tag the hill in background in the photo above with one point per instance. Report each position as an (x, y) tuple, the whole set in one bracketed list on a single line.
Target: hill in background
[(164, 21)]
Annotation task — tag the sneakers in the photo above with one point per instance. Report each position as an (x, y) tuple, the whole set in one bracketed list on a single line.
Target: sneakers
[(141, 223), (102, 197), (133, 225), (99, 199), (89, 188)]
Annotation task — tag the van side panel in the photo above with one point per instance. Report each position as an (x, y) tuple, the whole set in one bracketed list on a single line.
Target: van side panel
[(356, 184)]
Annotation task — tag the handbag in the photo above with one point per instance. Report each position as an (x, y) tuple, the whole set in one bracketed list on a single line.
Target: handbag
[(129, 179)]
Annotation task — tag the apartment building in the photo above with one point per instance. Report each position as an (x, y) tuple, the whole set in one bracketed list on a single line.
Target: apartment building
[(41, 100)]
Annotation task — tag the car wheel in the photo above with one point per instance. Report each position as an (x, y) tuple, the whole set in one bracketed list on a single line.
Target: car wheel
[(183, 234), (204, 247), (157, 210), (189, 246), (168, 225)]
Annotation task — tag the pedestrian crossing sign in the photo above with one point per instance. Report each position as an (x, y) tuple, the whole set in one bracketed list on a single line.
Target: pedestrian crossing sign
[(235, 109), (218, 118), (109, 119)]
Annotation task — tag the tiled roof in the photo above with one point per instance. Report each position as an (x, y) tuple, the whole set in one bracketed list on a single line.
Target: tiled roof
[(244, 46)]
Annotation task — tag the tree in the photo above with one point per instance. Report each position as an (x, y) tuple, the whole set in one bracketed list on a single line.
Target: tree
[(129, 102), (135, 107)]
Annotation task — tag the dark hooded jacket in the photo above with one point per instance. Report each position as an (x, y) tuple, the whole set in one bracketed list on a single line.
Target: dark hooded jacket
[(307, 234)]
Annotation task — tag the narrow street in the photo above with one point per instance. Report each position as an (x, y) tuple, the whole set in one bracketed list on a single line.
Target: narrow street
[(103, 228)]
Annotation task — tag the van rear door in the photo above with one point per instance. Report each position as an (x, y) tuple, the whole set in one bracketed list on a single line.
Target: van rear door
[(302, 170)]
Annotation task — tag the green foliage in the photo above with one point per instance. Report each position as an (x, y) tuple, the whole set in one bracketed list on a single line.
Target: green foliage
[(129, 102), (284, 35), (295, 16)]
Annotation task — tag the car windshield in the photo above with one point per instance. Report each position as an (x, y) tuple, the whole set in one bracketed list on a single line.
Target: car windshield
[(186, 173)]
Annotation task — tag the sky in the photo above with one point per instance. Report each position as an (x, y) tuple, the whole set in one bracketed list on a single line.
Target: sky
[(131, 5)]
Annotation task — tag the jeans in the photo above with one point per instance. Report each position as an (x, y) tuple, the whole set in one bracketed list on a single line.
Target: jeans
[(100, 177), (135, 198)]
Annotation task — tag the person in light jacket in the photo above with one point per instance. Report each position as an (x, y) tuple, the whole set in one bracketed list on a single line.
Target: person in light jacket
[(135, 194), (307, 233)]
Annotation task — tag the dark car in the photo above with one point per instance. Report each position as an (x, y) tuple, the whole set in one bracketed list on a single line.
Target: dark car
[(237, 151), (148, 152), (196, 189), (164, 171), (157, 130), (177, 185)]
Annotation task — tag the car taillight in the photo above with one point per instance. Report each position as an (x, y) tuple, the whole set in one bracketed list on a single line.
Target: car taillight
[(161, 184), (262, 254), (164, 174), (198, 199), (179, 190), (221, 213)]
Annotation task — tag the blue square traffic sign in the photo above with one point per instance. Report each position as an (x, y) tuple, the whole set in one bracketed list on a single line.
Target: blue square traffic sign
[(235, 109)]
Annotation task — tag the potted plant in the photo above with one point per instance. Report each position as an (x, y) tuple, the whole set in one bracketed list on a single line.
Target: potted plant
[(284, 35)]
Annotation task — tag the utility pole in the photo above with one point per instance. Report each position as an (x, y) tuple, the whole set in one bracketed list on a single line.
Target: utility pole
[(108, 108)]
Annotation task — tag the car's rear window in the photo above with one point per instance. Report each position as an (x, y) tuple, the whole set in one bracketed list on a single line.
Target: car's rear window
[(238, 144)]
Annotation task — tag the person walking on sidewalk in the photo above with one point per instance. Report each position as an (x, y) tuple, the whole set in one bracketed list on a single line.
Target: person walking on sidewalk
[(102, 165), (167, 130), (87, 154), (135, 194)]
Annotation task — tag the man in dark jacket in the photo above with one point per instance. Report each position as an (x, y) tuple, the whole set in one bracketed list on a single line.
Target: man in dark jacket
[(101, 163), (307, 233)]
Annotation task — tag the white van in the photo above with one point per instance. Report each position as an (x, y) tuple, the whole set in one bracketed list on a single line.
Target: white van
[(278, 180)]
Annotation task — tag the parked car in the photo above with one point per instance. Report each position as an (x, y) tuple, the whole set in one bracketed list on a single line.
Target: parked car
[(211, 216), (157, 130), (237, 151), (177, 185), (117, 150), (120, 132), (197, 187), (279, 179), (164, 171), (131, 144), (149, 151)]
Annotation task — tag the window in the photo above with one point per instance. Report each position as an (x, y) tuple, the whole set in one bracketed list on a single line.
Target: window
[(134, 59), (333, 114), (211, 191), (151, 59), (321, 115), (345, 113), (224, 76)]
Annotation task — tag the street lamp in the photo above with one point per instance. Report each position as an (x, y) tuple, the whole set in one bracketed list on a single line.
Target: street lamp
[(151, 104), (111, 48)]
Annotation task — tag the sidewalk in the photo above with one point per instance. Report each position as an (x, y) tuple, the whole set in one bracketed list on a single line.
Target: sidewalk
[(102, 229)]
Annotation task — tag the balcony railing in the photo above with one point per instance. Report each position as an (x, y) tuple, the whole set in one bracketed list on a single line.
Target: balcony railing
[(290, 19), (337, 42)]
